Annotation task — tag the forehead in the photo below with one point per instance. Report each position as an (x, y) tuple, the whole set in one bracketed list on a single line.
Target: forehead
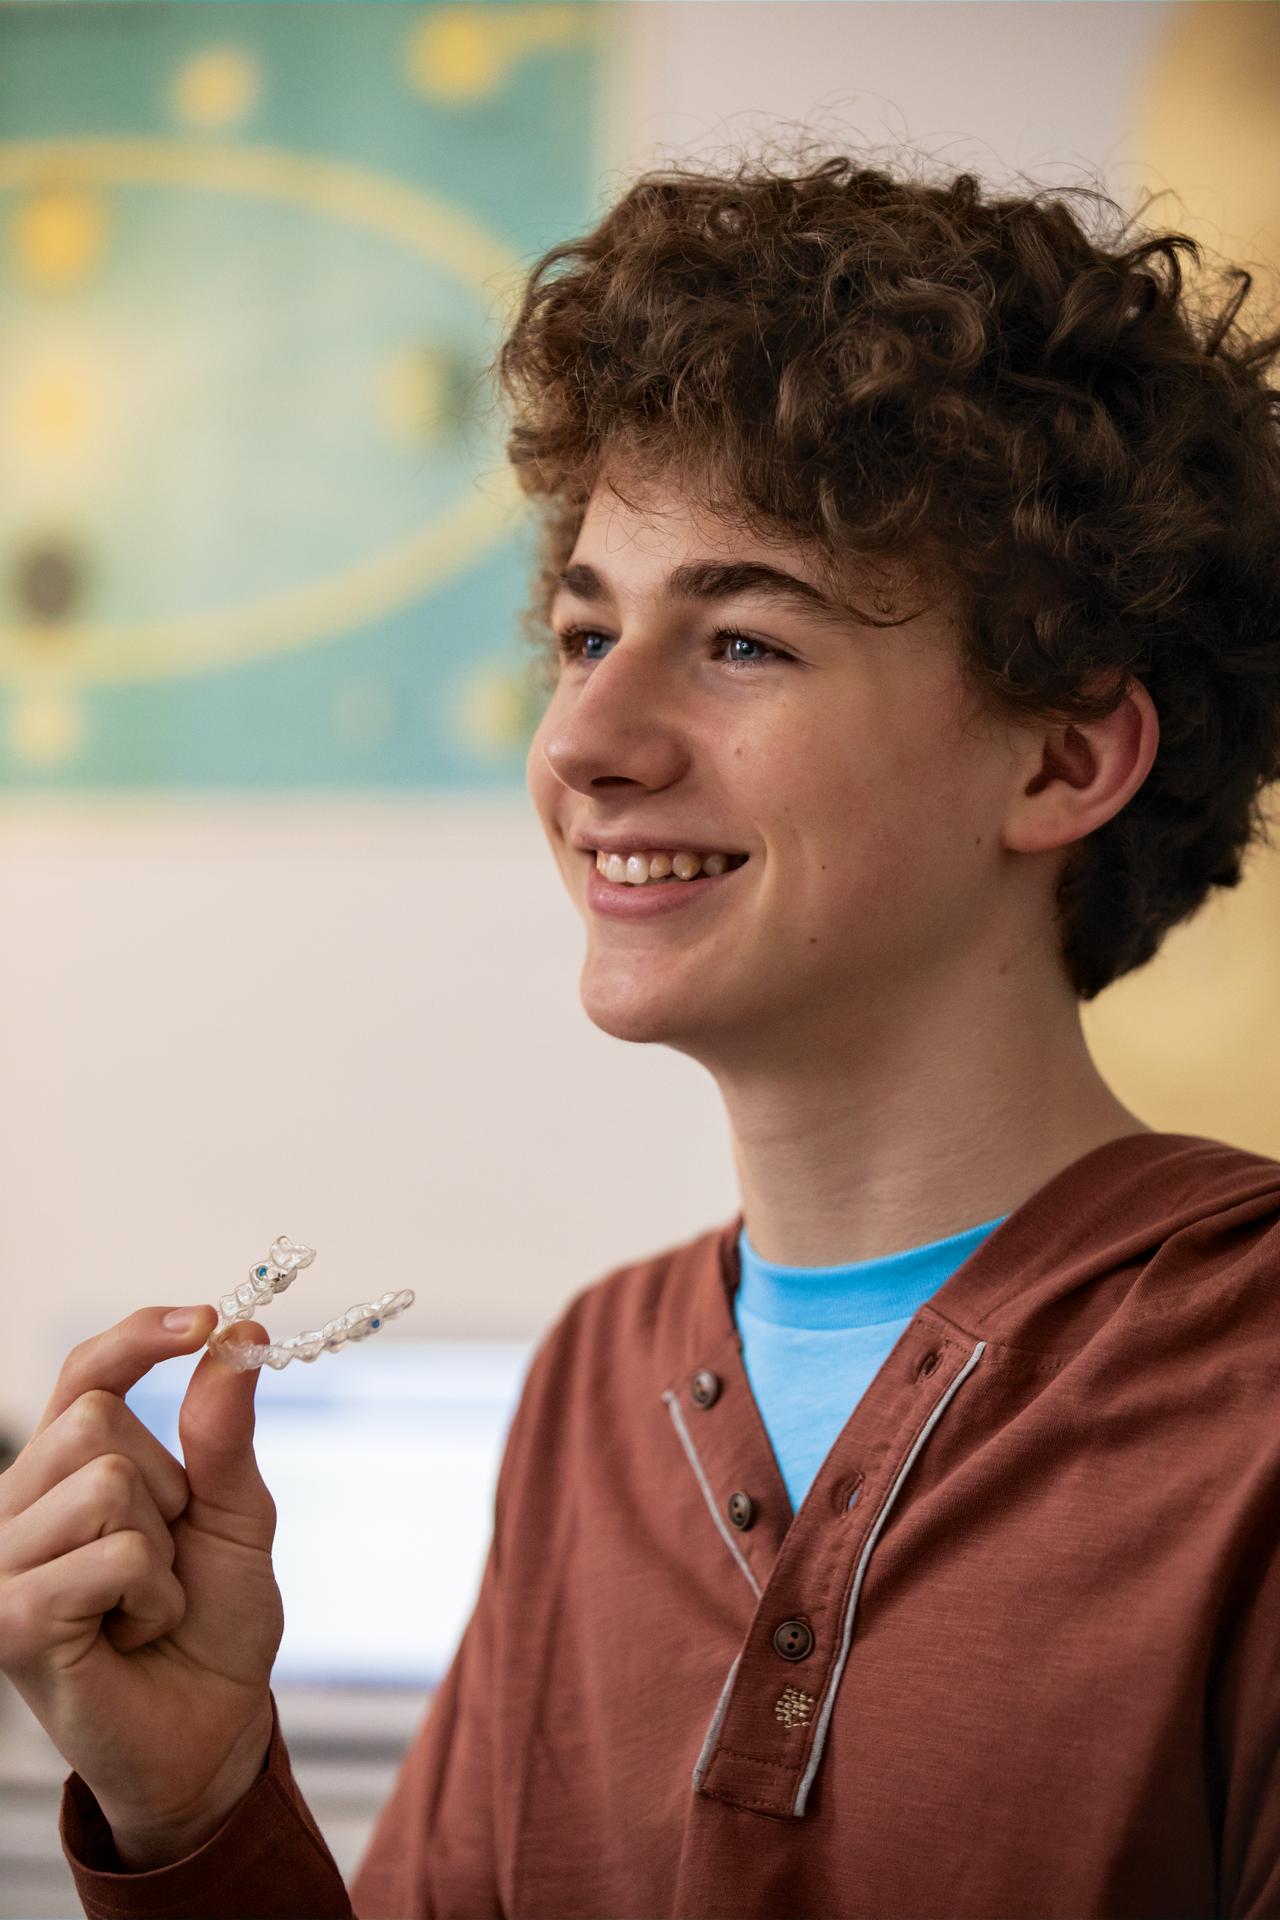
[(642, 537), (643, 528)]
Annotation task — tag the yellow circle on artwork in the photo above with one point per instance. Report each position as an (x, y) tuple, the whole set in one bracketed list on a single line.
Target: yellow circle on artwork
[(413, 386), (466, 53), (57, 236), (457, 55), (494, 711), (45, 730), (54, 406), (216, 87), (335, 604)]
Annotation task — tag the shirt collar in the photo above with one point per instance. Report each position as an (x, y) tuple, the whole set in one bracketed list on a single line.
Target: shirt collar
[(1028, 1282)]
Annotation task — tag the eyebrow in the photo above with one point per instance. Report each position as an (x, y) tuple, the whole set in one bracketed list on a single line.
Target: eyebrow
[(714, 580)]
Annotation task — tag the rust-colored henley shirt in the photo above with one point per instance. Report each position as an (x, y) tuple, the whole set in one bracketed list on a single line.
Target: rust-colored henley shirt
[(1017, 1657)]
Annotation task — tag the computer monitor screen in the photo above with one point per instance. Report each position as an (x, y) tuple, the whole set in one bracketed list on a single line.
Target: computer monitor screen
[(382, 1462)]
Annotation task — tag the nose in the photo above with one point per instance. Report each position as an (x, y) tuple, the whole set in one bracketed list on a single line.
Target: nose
[(619, 720)]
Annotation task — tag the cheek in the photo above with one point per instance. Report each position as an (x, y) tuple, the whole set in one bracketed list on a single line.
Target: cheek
[(832, 801), (869, 836)]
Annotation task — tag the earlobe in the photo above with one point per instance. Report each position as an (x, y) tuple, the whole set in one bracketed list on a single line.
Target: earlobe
[(1088, 771)]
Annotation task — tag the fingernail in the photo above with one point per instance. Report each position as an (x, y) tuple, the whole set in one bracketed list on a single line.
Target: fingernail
[(181, 1320)]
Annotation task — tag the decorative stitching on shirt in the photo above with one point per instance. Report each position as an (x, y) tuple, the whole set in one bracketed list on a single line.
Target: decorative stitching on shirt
[(794, 1707), (824, 1718), (708, 1496), (736, 1800), (758, 1760), (700, 1764), (933, 1320)]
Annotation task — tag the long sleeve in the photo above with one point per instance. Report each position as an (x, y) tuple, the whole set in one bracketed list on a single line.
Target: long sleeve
[(1247, 1727), (431, 1855), (268, 1860)]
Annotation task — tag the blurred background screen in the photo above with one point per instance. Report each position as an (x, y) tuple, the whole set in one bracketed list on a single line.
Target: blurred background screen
[(383, 1475)]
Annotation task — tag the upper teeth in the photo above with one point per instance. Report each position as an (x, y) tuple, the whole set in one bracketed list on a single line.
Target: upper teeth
[(635, 868)]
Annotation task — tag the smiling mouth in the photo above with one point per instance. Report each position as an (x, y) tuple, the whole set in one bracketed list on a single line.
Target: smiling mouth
[(683, 877)]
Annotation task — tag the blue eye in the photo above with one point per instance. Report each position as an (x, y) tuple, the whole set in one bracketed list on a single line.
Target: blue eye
[(732, 639), (573, 642)]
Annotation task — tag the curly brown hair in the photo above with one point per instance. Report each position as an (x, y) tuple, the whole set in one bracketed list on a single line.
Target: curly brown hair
[(904, 370)]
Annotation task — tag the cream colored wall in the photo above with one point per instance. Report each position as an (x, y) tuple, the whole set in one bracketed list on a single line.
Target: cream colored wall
[(356, 1021), (352, 1022)]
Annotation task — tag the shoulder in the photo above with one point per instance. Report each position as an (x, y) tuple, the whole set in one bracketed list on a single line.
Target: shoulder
[(1219, 1251), (1196, 1292)]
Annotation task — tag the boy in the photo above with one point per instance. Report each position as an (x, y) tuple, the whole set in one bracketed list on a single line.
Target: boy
[(906, 1546)]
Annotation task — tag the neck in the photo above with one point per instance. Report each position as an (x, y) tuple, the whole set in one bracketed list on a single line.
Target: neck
[(855, 1146)]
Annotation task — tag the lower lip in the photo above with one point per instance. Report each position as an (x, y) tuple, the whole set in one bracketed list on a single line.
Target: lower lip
[(618, 901)]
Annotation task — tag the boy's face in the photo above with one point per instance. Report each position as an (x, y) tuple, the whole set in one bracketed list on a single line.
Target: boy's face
[(853, 773)]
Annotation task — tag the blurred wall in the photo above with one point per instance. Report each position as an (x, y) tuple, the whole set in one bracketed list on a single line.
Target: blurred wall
[(355, 1019)]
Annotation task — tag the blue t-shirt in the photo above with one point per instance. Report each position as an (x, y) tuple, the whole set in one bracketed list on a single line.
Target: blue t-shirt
[(814, 1338)]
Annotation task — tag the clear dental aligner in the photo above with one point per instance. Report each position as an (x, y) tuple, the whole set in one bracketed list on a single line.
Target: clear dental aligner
[(270, 1277)]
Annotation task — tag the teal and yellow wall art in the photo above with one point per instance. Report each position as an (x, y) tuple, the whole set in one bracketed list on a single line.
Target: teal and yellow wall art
[(256, 527)]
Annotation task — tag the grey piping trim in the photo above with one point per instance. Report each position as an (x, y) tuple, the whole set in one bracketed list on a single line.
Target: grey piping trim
[(820, 1732), (700, 1765), (708, 1496)]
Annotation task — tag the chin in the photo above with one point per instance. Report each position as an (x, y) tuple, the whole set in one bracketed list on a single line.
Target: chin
[(626, 1019), (628, 1009)]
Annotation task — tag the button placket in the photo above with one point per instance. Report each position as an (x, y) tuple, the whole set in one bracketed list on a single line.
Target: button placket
[(811, 1596), (723, 1432)]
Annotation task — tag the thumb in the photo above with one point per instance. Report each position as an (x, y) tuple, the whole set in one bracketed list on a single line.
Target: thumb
[(216, 1426)]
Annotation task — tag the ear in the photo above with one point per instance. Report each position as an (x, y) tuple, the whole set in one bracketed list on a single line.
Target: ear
[(1072, 780)]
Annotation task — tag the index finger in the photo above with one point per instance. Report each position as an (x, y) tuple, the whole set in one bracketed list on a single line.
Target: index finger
[(117, 1358)]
